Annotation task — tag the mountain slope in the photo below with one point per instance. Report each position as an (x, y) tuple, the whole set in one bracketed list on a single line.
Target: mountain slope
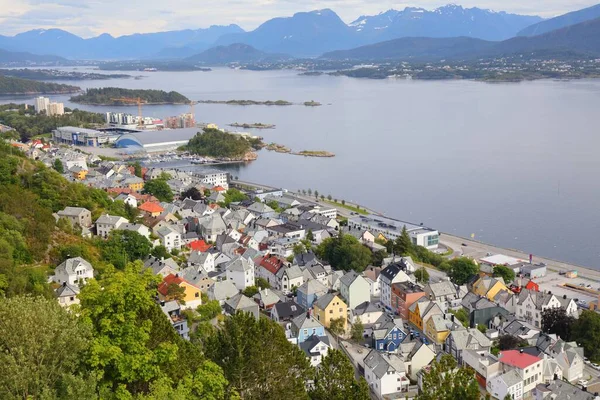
[(562, 21), (303, 34), (447, 21), (65, 44), (236, 52), (22, 57), (582, 39)]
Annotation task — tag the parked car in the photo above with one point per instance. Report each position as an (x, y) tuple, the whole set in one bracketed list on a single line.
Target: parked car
[(596, 366), (562, 272), (424, 340), (582, 382), (465, 245)]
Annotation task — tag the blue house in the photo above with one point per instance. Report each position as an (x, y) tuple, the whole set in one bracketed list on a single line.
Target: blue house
[(309, 292), (304, 326), (387, 337)]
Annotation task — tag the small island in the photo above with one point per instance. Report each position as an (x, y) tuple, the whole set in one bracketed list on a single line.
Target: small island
[(223, 146), (58, 75), (111, 96), (279, 148), (256, 125), (311, 103), (314, 153), (16, 86)]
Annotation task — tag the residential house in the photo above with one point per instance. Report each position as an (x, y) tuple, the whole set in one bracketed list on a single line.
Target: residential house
[(531, 304), (221, 291), (241, 272), (309, 292), (169, 237), (108, 223), (151, 208), (198, 278), (289, 278), (527, 366), (421, 310), (128, 199), (387, 337), (447, 294), (558, 389), (416, 356), (466, 339), (437, 327), (191, 293), (241, 303), (286, 311), (162, 267), (73, 271), (266, 299), (507, 384), (404, 295), (138, 228), (315, 348), (489, 287), (77, 216), (267, 267), (393, 273), (134, 183), (67, 294), (354, 289), (485, 365), (172, 310), (212, 226), (330, 307), (385, 374), (305, 326), (371, 275), (206, 261), (367, 313)]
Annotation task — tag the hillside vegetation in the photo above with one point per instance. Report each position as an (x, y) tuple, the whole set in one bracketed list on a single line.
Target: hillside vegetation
[(218, 144), (108, 94), (10, 85)]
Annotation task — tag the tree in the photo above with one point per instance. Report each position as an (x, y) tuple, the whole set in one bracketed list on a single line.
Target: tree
[(481, 328), (462, 269), (160, 189), (192, 193), (160, 252), (505, 273), (357, 330), (250, 291), (122, 247), (337, 326), (175, 292), (316, 194), (42, 349), (556, 321), (586, 332), (298, 249), (257, 359), (329, 197), (462, 316), (422, 275), (343, 202), (322, 197), (403, 245), (209, 310), (444, 381), (509, 342), (309, 192), (137, 169), (334, 380), (262, 283), (310, 236), (58, 166), (345, 252), (378, 257)]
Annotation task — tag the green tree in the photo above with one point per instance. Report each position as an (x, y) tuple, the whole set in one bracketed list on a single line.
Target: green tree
[(444, 381), (505, 273), (334, 380), (209, 310), (160, 252), (316, 194), (43, 346), (262, 283), (403, 245), (343, 202), (337, 326), (58, 166), (137, 169), (557, 321), (192, 193), (509, 342), (462, 269), (258, 360), (250, 291), (357, 330), (160, 189), (310, 236), (329, 197), (299, 249), (309, 192), (122, 247), (462, 315), (378, 257), (345, 252), (586, 331), (422, 275)]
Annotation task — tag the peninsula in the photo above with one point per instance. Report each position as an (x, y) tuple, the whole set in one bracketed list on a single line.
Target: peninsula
[(17, 86), (58, 75), (111, 96), (259, 103)]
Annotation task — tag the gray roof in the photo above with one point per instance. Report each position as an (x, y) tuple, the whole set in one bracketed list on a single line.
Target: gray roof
[(157, 264), (444, 288), (311, 342), (73, 211), (464, 338), (511, 378), (69, 265), (366, 307), (303, 321), (312, 287), (223, 290), (66, 290), (381, 363), (564, 390), (110, 219), (289, 309), (348, 278), (323, 301), (239, 264), (240, 302)]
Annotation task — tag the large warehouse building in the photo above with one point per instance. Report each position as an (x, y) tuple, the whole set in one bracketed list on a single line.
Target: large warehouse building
[(156, 141)]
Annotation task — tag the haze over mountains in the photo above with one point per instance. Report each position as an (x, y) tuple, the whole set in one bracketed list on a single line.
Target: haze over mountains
[(311, 34)]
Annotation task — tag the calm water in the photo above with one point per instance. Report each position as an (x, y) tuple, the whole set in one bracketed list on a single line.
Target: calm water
[(516, 164)]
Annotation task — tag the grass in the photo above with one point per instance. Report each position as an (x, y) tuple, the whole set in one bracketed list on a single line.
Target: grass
[(347, 207)]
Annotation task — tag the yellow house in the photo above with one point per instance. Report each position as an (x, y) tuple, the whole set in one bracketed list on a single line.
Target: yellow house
[(136, 184), (489, 287), (437, 328), (329, 307), (191, 293), (420, 311), (79, 173)]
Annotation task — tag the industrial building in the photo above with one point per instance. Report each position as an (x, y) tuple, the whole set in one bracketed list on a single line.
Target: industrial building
[(156, 141), (82, 137), (392, 229)]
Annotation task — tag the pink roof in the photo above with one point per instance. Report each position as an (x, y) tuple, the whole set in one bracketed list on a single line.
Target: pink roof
[(517, 359)]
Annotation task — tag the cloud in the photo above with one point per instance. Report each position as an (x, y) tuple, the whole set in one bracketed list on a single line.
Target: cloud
[(93, 17)]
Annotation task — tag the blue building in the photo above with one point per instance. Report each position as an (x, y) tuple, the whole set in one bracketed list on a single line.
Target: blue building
[(309, 292), (387, 337), (304, 326)]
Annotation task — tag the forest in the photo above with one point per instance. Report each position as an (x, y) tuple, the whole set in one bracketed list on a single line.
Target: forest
[(10, 85), (109, 96)]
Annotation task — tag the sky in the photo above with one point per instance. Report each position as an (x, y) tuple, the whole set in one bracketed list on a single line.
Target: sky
[(88, 18)]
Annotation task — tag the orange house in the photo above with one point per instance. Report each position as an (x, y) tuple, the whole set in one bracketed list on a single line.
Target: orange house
[(151, 208)]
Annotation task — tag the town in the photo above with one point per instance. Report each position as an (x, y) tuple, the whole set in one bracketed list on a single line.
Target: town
[(392, 296)]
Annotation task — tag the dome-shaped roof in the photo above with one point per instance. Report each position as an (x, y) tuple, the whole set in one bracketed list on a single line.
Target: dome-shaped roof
[(128, 140)]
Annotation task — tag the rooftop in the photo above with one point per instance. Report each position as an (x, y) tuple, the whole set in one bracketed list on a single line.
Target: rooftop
[(517, 359)]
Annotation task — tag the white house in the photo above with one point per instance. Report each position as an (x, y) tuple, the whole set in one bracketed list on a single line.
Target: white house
[(73, 271), (354, 289), (205, 261), (169, 238), (108, 223), (391, 274), (139, 228), (530, 304), (240, 271), (67, 295), (315, 348), (290, 278), (222, 291), (509, 383), (385, 374), (529, 367), (128, 199)]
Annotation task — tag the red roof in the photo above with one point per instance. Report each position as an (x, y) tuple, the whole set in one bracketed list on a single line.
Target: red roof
[(199, 245), (151, 207), (517, 359), (219, 189), (163, 288), (271, 263), (531, 285)]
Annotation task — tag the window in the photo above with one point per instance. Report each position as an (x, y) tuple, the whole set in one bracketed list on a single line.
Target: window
[(306, 332), (197, 294)]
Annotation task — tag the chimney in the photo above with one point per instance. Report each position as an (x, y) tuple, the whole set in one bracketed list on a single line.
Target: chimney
[(521, 351), (162, 303)]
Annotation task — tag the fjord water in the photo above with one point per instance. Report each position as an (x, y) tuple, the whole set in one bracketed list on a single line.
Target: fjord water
[(516, 164)]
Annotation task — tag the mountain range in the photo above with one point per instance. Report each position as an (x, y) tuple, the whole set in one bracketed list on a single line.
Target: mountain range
[(572, 40), (21, 57), (306, 34)]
